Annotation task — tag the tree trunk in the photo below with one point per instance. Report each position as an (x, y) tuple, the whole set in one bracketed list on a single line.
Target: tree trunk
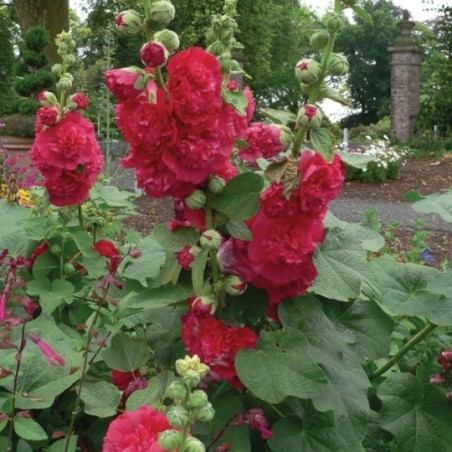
[(53, 15)]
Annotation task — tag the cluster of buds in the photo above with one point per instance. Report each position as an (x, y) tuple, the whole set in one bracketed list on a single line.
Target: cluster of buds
[(189, 405), (66, 49), (309, 117), (220, 37), (445, 377), (155, 52)]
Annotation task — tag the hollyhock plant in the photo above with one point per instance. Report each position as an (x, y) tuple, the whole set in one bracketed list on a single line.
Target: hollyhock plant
[(136, 430)]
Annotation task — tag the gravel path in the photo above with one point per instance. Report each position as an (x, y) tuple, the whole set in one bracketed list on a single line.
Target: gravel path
[(347, 209)]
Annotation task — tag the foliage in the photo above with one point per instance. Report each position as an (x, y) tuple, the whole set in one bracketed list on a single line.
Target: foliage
[(7, 59), (97, 321), (366, 47), (18, 125)]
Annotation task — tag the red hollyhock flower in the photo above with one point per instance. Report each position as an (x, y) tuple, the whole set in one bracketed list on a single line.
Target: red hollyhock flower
[(80, 100), (40, 249), (320, 182), (195, 86), (46, 116), (122, 379), (184, 257), (136, 431), (106, 248), (263, 141), (216, 344), (121, 83)]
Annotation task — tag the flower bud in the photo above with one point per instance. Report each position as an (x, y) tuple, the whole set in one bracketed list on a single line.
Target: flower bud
[(78, 101), (319, 39), (203, 305), (196, 200), (193, 444), (216, 184), (55, 250), (178, 416), (182, 366), (309, 117), (233, 285), (169, 39), (47, 99), (217, 48), (333, 22), (57, 69), (210, 240), (285, 136), (169, 439), (205, 413), (176, 390), (62, 48), (307, 71), (162, 12), (128, 22), (69, 59), (198, 399), (191, 378), (154, 54), (338, 64), (68, 268), (211, 36), (64, 84)]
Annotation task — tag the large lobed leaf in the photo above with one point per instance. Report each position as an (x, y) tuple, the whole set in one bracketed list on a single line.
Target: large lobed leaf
[(440, 204)]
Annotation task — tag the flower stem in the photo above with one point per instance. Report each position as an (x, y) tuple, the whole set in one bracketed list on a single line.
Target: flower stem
[(187, 425), (84, 370), (80, 216), (15, 384), (212, 253), (406, 348)]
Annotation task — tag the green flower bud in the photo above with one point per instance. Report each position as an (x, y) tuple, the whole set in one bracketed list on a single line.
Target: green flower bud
[(191, 363), (55, 250), (319, 39), (198, 399), (68, 268), (176, 390), (307, 71), (191, 378), (217, 48), (212, 36), (57, 69), (69, 59), (64, 84), (194, 445), (196, 200), (169, 39), (286, 135), (205, 413), (71, 44), (62, 48), (226, 63), (169, 439), (334, 22), (182, 366), (309, 117), (128, 22), (216, 184), (338, 64), (233, 285), (47, 99), (210, 240), (162, 12), (226, 35), (178, 416)]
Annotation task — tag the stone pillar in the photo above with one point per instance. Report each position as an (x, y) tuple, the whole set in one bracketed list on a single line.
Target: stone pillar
[(406, 59)]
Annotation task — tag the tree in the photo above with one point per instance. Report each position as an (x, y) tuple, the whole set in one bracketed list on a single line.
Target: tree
[(53, 15), (366, 47), (7, 60)]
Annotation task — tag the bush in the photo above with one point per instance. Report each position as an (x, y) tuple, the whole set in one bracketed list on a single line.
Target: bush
[(18, 125)]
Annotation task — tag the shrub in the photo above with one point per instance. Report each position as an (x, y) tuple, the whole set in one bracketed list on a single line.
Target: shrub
[(18, 125)]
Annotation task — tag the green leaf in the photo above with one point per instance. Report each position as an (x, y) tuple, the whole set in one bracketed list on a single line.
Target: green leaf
[(280, 367), (84, 243), (237, 100), (369, 240), (60, 446), (29, 429), (51, 293), (173, 241), (17, 243), (283, 117), (239, 199), (149, 264), (171, 270), (312, 431), (197, 271), (343, 269), (440, 204), (101, 399), (415, 412), (363, 14), (126, 353), (11, 216), (160, 297), (323, 142), (45, 264), (239, 230), (413, 290), (371, 326), (332, 347), (413, 196), (359, 161), (112, 196)]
